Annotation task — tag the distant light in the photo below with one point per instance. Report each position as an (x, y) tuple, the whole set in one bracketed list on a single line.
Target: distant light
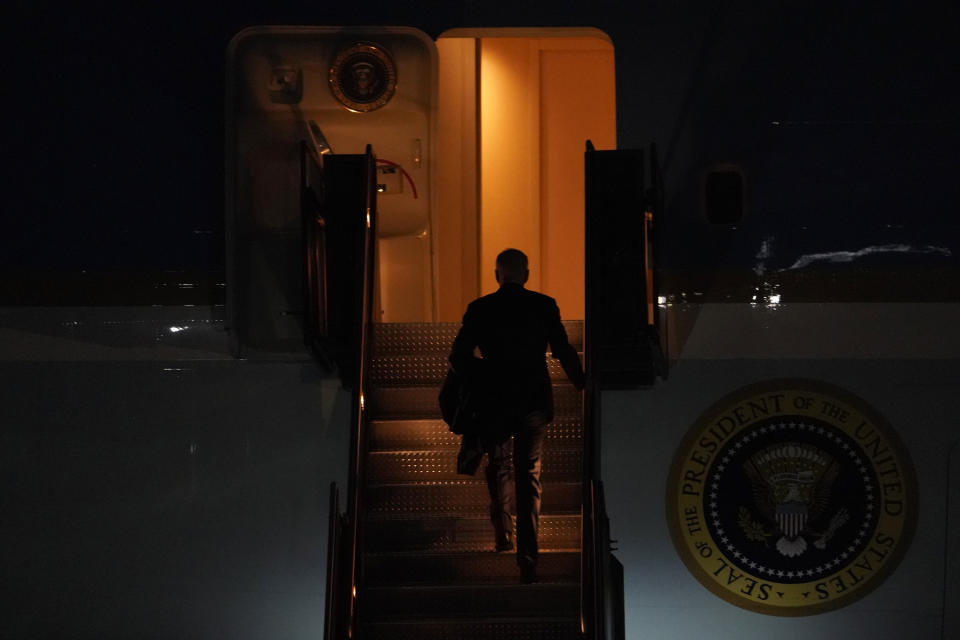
[(178, 329), (361, 402), (775, 299), (661, 300)]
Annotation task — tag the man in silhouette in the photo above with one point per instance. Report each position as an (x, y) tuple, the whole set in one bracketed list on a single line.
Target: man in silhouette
[(512, 328)]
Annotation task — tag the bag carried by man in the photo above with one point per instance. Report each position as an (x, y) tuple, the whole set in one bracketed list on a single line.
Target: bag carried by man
[(461, 408), (461, 405)]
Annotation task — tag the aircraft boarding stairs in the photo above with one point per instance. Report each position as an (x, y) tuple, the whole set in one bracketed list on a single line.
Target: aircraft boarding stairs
[(428, 568), (411, 554)]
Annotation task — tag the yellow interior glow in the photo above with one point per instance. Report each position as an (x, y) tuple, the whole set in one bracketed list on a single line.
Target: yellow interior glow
[(534, 103)]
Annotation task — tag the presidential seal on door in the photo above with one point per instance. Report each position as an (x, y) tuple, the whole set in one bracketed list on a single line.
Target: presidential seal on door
[(363, 77)]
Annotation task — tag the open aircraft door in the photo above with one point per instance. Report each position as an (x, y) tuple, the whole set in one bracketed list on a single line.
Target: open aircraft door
[(303, 104), (477, 137)]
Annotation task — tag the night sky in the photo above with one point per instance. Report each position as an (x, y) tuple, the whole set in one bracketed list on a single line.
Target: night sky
[(118, 134), (122, 153)]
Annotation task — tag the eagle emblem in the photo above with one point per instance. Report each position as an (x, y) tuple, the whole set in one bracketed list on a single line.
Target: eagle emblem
[(776, 499), (791, 488), (363, 77)]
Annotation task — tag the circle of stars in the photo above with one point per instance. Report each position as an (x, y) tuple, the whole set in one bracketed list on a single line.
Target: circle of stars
[(824, 568)]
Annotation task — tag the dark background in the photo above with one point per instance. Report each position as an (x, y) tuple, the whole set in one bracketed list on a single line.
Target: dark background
[(116, 146)]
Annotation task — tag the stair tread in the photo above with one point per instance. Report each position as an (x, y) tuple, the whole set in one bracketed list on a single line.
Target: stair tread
[(514, 600), (434, 434), (413, 500), (557, 627), (470, 517), (558, 463), (461, 533), (501, 620), (492, 588), (486, 619), (465, 481), (422, 369), (418, 402), (464, 568), (559, 448), (455, 555), (436, 337)]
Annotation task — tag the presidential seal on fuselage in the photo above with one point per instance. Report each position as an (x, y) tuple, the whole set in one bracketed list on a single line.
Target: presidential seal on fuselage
[(791, 497)]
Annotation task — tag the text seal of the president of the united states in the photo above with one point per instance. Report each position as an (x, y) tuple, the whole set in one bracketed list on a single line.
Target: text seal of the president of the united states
[(791, 497)]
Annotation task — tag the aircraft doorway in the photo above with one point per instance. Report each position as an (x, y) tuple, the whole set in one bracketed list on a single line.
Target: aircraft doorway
[(479, 140), (515, 107)]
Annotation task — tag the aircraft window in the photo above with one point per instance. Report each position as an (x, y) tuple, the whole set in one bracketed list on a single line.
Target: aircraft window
[(723, 195)]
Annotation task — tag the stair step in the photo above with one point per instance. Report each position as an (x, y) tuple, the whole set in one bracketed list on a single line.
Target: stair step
[(489, 601), (420, 402), (402, 370), (482, 628), (391, 467), (386, 435), (436, 337), (460, 534), (413, 337), (463, 497), (464, 568)]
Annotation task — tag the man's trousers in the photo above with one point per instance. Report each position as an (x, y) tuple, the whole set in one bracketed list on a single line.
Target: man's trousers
[(513, 477)]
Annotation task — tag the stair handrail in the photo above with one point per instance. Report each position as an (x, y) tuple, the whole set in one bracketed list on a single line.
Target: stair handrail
[(344, 600), (594, 534), (313, 231), (599, 601), (358, 411), (590, 594), (331, 617)]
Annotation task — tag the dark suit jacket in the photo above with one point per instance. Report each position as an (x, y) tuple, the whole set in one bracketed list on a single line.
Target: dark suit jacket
[(512, 327)]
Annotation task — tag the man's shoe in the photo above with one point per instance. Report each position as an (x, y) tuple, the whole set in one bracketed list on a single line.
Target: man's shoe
[(505, 545), (528, 570)]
